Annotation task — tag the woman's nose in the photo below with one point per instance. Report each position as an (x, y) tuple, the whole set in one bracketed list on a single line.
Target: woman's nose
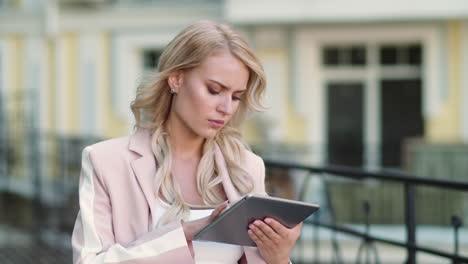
[(225, 106)]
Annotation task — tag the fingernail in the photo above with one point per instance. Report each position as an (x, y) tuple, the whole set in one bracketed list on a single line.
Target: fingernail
[(268, 220)]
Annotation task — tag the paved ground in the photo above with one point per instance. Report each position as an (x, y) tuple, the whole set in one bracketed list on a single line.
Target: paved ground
[(16, 247), (37, 255)]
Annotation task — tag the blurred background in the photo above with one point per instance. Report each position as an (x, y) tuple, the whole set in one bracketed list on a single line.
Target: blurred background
[(369, 97)]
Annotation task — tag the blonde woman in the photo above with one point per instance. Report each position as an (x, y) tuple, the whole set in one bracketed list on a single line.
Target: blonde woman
[(143, 197)]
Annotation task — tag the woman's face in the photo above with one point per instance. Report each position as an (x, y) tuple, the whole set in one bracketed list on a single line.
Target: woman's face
[(209, 94)]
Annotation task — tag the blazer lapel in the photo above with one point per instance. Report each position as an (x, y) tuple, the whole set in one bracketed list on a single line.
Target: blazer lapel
[(252, 254), (144, 167), (231, 192), (145, 170)]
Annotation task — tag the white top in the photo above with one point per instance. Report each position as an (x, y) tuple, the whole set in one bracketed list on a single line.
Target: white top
[(211, 252)]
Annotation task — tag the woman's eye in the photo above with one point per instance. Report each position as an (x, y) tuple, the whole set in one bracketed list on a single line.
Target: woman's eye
[(212, 91), (236, 98)]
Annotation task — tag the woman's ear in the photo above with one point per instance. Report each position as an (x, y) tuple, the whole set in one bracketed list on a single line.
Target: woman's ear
[(175, 80)]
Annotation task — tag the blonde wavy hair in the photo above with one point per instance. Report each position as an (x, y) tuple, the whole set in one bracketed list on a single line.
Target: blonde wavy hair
[(152, 105)]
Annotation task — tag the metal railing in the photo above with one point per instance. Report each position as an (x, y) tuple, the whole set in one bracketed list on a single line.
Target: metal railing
[(410, 183)]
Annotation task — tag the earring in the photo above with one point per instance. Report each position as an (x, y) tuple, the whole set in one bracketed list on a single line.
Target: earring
[(172, 91)]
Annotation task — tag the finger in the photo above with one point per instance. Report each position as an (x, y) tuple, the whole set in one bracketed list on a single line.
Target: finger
[(298, 227), (277, 227), (218, 210), (259, 233), (255, 238), (267, 230)]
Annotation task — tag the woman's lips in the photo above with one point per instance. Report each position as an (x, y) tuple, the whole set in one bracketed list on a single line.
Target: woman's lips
[(216, 123)]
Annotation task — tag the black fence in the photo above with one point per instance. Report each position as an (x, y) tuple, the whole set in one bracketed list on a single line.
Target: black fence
[(39, 195), (367, 252), (48, 166)]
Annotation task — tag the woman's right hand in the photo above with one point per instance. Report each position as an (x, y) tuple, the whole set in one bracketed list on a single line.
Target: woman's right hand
[(194, 226)]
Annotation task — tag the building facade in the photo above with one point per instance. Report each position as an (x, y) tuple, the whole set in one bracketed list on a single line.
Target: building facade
[(346, 84)]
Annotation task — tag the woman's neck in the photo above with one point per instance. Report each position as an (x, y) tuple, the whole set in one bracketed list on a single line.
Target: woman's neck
[(185, 144)]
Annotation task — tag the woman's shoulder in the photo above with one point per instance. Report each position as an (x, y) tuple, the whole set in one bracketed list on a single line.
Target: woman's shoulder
[(251, 157), (110, 146), (111, 153), (253, 162), (255, 166)]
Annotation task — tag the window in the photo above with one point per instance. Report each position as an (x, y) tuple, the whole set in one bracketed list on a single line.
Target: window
[(374, 101), (151, 59), (400, 55), (353, 55)]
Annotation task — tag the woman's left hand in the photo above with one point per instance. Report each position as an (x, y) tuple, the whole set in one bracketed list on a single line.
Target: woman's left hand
[(274, 240)]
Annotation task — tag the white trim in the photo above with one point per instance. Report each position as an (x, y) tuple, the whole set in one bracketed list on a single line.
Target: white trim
[(31, 5), (34, 75), (312, 75), (99, 74), (151, 248), (270, 39), (91, 240), (400, 72), (372, 132), (87, 83), (47, 17), (275, 72), (309, 94), (146, 17), (51, 18), (307, 11), (14, 22), (272, 44), (35, 81), (31, 75), (434, 72), (464, 84), (126, 66)]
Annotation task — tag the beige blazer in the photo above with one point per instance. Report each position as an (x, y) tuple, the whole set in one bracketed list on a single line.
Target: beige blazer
[(118, 208)]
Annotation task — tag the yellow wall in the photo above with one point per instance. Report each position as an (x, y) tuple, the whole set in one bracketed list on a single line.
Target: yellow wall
[(249, 130), (71, 86), (15, 3), (16, 102), (293, 127), (446, 126)]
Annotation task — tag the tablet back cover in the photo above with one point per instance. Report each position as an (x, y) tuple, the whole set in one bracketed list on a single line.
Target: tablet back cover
[(231, 227)]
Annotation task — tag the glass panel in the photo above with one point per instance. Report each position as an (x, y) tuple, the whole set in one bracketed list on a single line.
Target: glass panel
[(358, 55), (401, 117), (331, 56), (151, 59), (415, 54), (345, 123), (388, 55)]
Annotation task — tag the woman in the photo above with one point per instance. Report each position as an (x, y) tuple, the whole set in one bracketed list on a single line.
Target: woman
[(143, 197)]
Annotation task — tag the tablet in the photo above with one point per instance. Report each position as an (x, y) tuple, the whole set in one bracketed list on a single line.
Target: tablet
[(232, 225)]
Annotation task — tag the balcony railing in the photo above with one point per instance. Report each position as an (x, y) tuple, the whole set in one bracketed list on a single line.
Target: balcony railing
[(410, 183)]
